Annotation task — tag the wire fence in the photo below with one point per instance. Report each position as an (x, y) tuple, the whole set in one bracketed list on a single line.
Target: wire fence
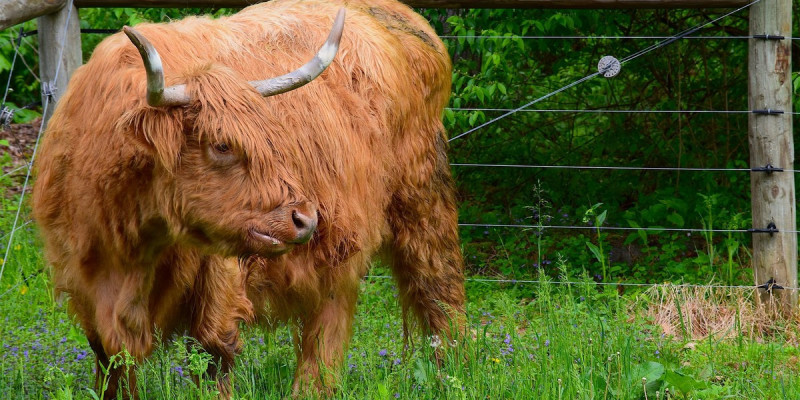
[(662, 41), (767, 111), (29, 166), (766, 286), (579, 37)]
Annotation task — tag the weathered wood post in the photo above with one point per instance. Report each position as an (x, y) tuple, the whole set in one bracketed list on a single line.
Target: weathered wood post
[(771, 143), (52, 37)]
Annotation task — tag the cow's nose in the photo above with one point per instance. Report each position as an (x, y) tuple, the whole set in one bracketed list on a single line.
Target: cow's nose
[(305, 223)]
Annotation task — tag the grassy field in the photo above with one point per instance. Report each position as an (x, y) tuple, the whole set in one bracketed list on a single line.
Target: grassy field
[(526, 341)]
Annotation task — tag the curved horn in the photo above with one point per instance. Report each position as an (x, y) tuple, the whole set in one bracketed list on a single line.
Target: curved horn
[(157, 94), (311, 70)]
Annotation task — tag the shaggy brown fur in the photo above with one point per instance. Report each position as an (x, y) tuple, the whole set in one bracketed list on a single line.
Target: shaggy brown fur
[(139, 208)]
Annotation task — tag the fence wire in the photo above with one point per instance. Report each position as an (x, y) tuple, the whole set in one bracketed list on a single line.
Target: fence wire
[(624, 228), (629, 58), (613, 168), (664, 40), (13, 63), (605, 111), (579, 37), (45, 107), (593, 283)]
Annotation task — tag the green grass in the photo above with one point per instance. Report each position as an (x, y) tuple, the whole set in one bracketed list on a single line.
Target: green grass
[(526, 341)]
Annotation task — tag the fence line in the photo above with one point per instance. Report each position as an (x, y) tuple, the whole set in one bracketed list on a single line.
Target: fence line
[(14, 170), (578, 37), (45, 106), (766, 286), (11, 70), (26, 223), (769, 286), (623, 228), (613, 168), (606, 111), (684, 34), (666, 40), (590, 76)]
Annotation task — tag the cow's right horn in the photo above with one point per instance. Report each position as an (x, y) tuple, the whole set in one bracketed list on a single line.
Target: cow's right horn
[(157, 94), (310, 70)]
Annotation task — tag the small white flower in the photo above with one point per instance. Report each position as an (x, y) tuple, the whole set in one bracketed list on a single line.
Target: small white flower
[(436, 341)]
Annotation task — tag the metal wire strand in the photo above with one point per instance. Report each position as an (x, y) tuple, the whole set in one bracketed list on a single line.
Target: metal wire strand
[(45, 107), (14, 170), (579, 37), (592, 283), (13, 63), (590, 76), (605, 111), (610, 228), (612, 168)]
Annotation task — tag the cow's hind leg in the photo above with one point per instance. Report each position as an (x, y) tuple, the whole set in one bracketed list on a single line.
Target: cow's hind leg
[(321, 341), (425, 252)]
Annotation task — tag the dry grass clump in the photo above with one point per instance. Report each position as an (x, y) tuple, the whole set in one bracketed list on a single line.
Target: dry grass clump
[(699, 312)]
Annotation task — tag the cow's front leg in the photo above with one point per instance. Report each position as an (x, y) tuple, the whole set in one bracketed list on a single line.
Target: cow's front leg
[(218, 304), (112, 380), (321, 341), (132, 321), (123, 331)]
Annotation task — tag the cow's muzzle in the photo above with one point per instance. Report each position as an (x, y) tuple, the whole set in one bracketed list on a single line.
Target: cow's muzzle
[(285, 227), (305, 221)]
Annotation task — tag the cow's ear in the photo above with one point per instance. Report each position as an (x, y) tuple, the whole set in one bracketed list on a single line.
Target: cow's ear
[(159, 130)]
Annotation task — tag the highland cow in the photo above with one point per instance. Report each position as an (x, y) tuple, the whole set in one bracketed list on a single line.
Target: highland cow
[(181, 187)]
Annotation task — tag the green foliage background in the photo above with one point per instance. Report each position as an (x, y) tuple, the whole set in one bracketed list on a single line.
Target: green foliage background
[(496, 68)]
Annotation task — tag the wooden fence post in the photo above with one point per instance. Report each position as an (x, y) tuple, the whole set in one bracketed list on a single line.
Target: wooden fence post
[(52, 36), (771, 143)]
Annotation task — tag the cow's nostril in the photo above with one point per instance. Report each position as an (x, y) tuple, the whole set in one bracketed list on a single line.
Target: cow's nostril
[(304, 225)]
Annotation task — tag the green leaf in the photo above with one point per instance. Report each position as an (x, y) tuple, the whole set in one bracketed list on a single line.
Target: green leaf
[(383, 391), (675, 219), (502, 88), (653, 373), (641, 232), (24, 116), (491, 88), (596, 251), (449, 116), (472, 117), (420, 372), (4, 63), (601, 218), (479, 93), (684, 383)]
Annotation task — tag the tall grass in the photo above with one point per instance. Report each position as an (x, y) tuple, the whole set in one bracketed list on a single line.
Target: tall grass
[(540, 341)]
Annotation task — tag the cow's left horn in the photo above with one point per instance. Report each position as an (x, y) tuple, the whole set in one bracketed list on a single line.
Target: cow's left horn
[(157, 94), (311, 70)]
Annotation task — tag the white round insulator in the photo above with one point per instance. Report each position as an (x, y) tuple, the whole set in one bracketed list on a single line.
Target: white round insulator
[(609, 66)]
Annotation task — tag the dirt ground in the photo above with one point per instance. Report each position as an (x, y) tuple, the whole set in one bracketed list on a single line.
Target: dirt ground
[(21, 139)]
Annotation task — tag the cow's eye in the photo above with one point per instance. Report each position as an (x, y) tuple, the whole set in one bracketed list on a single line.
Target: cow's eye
[(221, 147)]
